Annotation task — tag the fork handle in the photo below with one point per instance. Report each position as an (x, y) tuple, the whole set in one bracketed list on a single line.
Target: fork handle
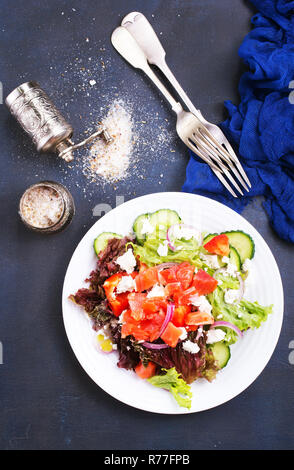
[(176, 106), (143, 32), (128, 47), (162, 65)]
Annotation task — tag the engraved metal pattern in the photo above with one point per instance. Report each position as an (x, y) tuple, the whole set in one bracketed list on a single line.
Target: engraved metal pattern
[(40, 118), (42, 121)]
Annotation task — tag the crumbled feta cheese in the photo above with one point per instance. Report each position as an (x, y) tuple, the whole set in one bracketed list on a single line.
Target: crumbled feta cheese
[(156, 291), (147, 227), (191, 347), (162, 250), (220, 316), (240, 315), (246, 266), (179, 231), (226, 259), (199, 333), (210, 260), (114, 346), (230, 269), (231, 295), (184, 335), (126, 284), (127, 261), (201, 302), (121, 318), (215, 335)]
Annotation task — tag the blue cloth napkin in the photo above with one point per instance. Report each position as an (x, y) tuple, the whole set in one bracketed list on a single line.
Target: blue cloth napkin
[(262, 126)]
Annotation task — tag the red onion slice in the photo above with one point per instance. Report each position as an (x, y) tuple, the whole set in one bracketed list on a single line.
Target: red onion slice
[(155, 346), (169, 234), (241, 288), (162, 266), (169, 314), (228, 325)]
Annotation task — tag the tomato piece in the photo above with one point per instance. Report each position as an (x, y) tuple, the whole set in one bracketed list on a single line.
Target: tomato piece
[(131, 327), (184, 274), (153, 326), (172, 288), (171, 335), (146, 279), (143, 267), (199, 318), (183, 297), (142, 330), (136, 301), (179, 315), (145, 372), (204, 283), (117, 302), (153, 305), (169, 275), (218, 245)]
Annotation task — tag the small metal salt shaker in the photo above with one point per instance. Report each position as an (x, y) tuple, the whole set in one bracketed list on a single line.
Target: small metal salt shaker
[(46, 126), (67, 208)]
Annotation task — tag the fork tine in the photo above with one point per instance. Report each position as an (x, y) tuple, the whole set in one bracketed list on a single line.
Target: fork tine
[(230, 177), (214, 142), (204, 157), (206, 150), (237, 162), (224, 182), (216, 171), (228, 155), (210, 152), (230, 161)]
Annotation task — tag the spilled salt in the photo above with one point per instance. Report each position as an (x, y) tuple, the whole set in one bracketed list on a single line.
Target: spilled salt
[(111, 161)]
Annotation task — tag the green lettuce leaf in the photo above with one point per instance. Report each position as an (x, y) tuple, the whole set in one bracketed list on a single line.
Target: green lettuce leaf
[(172, 382), (148, 252), (227, 282), (244, 315)]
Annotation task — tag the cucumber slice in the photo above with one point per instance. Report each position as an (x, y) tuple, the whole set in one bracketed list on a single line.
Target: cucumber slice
[(138, 225), (208, 237), (221, 353), (164, 217), (101, 241), (235, 258), (161, 221), (243, 243)]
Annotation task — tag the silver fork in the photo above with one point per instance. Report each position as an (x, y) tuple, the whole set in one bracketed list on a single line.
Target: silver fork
[(189, 128), (142, 31)]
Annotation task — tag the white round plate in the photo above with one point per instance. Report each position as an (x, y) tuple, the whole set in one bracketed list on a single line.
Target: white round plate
[(249, 355)]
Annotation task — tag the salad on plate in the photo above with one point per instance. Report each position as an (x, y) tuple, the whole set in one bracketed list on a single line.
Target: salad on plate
[(169, 300)]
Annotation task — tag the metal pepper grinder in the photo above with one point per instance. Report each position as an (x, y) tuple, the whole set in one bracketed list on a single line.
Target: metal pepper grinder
[(39, 117)]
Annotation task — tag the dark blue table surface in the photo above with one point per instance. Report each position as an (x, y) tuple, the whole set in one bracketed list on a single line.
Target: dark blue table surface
[(47, 400)]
